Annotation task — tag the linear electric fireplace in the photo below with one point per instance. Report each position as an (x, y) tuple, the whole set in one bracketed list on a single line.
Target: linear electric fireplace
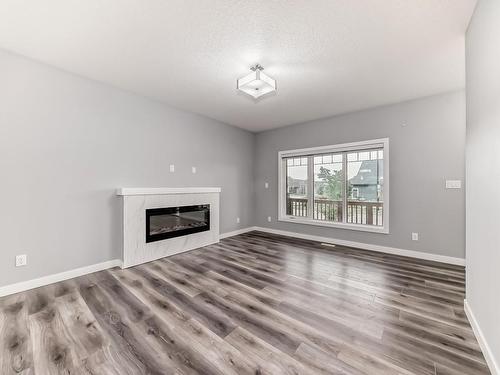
[(169, 222)]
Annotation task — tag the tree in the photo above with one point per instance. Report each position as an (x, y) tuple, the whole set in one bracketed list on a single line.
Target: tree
[(333, 181)]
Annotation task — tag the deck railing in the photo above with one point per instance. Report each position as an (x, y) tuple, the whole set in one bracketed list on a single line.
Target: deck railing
[(358, 212)]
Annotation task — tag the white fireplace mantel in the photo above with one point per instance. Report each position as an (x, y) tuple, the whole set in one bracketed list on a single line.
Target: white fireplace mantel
[(162, 191), (136, 201)]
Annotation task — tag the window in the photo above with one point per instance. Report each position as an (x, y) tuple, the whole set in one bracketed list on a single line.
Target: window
[(297, 185), (342, 186)]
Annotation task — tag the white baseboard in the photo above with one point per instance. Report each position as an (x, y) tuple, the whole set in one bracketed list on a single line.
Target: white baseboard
[(236, 232), (50, 279), (487, 352), (365, 246)]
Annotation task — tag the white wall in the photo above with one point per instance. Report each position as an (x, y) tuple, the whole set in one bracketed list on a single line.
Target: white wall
[(483, 173), (66, 144), (423, 154)]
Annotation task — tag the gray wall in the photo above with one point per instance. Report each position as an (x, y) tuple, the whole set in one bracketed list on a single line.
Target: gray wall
[(66, 144), (483, 170), (425, 152)]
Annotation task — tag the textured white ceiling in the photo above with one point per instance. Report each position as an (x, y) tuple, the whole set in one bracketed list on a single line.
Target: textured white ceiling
[(328, 56)]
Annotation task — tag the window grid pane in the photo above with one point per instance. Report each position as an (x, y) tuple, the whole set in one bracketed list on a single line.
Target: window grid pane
[(328, 187), (365, 187), (296, 187)]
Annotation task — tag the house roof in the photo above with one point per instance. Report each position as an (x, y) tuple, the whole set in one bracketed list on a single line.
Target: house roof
[(368, 173)]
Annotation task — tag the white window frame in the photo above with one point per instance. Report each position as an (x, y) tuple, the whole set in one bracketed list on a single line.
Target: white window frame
[(355, 190), (353, 146)]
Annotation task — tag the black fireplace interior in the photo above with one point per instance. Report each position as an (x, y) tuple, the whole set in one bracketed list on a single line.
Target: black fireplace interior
[(169, 222)]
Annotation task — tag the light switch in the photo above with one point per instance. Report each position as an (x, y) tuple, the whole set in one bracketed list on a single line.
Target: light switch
[(172, 168), (193, 170), (266, 185), (453, 184)]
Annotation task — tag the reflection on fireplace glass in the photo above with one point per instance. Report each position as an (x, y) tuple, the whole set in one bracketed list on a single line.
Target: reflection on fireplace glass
[(168, 222), (172, 222)]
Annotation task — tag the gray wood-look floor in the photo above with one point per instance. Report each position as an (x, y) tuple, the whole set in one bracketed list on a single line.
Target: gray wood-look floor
[(253, 304)]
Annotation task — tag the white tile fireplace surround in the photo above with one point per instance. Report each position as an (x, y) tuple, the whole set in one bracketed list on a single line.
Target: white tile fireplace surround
[(135, 203)]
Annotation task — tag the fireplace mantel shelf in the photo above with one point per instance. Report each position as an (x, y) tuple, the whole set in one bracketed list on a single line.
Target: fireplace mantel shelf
[(162, 191)]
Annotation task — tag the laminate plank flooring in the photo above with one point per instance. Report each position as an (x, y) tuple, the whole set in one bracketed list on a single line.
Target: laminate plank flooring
[(252, 304)]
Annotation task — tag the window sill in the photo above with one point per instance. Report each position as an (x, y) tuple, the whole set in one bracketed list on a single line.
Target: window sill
[(357, 227)]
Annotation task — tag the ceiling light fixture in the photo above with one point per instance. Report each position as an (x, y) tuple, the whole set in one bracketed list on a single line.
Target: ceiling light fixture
[(257, 83)]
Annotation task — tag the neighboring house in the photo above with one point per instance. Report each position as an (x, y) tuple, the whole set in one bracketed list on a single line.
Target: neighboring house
[(296, 186), (364, 186)]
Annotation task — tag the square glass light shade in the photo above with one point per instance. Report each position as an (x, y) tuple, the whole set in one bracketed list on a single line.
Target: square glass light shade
[(256, 84)]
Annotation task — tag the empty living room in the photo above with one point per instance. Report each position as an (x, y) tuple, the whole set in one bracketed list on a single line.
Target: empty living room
[(249, 187)]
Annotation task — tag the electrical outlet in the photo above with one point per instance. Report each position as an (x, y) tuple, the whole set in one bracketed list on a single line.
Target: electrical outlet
[(238, 220), (266, 185), (21, 260), (172, 168), (193, 170), (414, 236), (453, 184), (269, 218)]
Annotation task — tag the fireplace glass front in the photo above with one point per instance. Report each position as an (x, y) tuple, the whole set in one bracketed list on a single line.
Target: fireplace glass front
[(169, 222)]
